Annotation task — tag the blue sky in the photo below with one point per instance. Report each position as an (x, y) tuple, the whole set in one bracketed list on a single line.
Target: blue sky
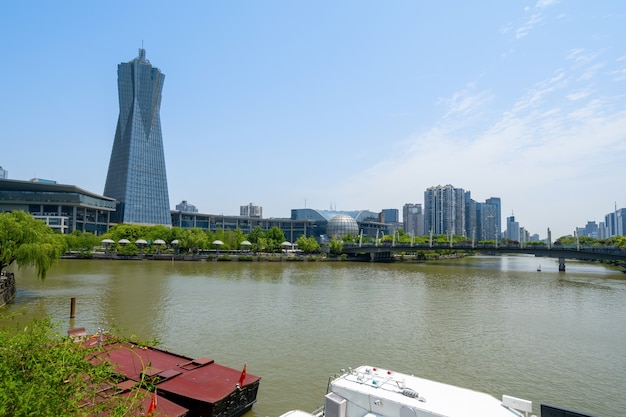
[(351, 104)]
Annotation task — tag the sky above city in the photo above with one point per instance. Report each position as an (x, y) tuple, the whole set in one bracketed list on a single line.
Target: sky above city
[(344, 105)]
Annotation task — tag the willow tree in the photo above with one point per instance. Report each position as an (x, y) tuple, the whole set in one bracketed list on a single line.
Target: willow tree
[(28, 242)]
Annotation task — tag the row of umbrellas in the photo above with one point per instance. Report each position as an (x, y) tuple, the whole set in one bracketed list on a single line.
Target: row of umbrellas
[(138, 242), (175, 242)]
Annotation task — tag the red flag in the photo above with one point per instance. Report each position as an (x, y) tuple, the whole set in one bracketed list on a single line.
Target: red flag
[(243, 376), (153, 404)]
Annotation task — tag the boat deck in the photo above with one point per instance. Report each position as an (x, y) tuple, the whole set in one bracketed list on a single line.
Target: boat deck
[(369, 390), (202, 386)]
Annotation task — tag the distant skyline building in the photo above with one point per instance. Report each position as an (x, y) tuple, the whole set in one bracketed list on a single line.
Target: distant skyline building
[(512, 229), (615, 222), (471, 212), (497, 207), (389, 216), (4, 174), (137, 177), (444, 210), (448, 209), (413, 219), (591, 229), (487, 221), (186, 207), (251, 210)]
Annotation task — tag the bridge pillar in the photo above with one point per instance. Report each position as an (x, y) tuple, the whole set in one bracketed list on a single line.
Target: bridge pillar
[(562, 264)]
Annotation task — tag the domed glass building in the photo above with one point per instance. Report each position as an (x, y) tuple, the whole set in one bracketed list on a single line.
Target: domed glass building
[(342, 225)]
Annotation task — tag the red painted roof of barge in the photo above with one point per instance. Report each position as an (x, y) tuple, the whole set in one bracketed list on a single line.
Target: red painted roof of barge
[(221, 380), (201, 379)]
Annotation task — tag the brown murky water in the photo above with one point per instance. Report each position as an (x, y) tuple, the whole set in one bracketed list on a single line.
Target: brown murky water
[(493, 324)]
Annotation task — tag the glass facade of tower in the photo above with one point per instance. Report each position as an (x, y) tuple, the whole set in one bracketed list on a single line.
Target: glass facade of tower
[(137, 178)]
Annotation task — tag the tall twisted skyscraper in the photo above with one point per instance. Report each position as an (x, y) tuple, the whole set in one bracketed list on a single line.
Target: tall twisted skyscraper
[(137, 177)]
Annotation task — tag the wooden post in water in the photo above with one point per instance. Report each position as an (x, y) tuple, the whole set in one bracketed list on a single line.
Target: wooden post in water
[(73, 307)]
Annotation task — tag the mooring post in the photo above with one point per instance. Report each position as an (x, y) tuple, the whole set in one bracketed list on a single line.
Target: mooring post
[(72, 307)]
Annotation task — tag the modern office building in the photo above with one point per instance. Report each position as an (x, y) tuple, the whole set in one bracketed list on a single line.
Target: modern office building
[(591, 229), (214, 222), (389, 216), (65, 208), (512, 229), (482, 220), (303, 222), (136, 177)]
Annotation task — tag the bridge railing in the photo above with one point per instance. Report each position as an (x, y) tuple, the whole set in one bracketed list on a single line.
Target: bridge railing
[(399, 247)]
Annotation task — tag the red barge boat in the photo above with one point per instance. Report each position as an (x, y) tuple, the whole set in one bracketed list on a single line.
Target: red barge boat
[(201, 386)]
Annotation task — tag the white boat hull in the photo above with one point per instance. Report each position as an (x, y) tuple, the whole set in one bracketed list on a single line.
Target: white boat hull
[(373, 392)]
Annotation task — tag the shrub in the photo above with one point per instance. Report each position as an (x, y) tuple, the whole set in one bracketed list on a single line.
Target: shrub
[(44, 374)]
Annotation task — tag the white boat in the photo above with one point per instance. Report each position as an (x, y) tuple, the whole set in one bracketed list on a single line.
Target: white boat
[(368, 391)]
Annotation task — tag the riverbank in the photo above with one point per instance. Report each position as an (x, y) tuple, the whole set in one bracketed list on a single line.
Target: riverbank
[(7, 287), (260, 257)]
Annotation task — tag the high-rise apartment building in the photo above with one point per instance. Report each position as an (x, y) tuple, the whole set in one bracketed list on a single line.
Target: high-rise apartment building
[(137, 178), (487, 221), (497, 212), (471, 211), (444, 210), (413, 219)]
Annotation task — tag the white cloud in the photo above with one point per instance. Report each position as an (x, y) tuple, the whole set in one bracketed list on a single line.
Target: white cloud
[(536, 17), (578, 95), (506, 28), (551, 147), (528, 25), (590, 72), (542, 4), (580, 57), (573, 54), (619, 75), (465, 102)]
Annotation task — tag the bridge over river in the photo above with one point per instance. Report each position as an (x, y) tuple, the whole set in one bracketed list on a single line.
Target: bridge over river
[(385, 252)]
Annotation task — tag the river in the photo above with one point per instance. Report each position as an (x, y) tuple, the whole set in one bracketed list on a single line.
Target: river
[(493, 324)]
